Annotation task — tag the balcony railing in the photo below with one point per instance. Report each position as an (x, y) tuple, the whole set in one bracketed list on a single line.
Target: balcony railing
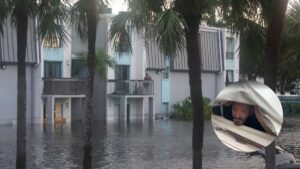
[(64, 86), (130, 87)]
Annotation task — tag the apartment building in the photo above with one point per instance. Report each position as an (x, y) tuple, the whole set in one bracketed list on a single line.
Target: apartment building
[(54, 96)]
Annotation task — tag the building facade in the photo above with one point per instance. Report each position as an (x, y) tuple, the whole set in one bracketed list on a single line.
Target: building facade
[(55, 96), (8, 75)]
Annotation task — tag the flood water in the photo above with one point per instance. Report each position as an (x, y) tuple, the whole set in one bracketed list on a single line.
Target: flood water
[(136, 145)]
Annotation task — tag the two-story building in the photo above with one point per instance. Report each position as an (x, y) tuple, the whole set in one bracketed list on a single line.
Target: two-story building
[(50, 88), (55, 96), (126, 95), (8, 75)]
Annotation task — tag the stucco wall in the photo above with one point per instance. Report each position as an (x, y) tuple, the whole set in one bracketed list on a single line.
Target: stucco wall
[(180, 87), (212, 83), (137, 58), (157, 78), (8, 95)]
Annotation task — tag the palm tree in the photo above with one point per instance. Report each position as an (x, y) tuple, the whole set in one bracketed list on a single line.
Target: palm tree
[(84, 16), (175, 25), (48, 13), (273, 44), (290, 49), (265, 19)]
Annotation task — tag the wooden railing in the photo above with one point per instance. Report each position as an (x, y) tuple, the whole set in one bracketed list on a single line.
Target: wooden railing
[(130, 87), (64, 86)]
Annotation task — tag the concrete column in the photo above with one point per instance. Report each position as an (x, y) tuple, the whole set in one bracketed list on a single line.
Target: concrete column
[(67, 109), (151, 108), (123, 108), (50, 109)]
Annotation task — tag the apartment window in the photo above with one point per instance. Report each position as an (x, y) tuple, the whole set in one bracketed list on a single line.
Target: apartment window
[(165, 73), (230, 77), (230, 48), (52, 42), (52, 69), (122, 72)]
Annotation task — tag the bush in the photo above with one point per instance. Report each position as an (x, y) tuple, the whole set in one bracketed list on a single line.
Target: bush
[(183, 110), (291, 108)]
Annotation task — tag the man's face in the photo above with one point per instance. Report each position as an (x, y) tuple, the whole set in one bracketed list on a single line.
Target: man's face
[(240, 113)]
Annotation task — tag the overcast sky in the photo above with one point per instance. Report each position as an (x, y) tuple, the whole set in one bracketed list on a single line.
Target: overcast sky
[(118, 5)]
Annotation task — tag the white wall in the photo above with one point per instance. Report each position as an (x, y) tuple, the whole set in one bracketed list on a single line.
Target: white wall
[(157, 79), (180, 87), (212, 84), (67, 62), (8, 95), (138, 57), (112, 111), (136, 108), (236, 58)]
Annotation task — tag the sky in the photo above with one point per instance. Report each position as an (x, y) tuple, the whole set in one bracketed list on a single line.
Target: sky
[(118, 5)]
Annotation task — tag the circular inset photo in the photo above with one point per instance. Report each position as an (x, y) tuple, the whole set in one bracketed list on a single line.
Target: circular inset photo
[(247, 116)]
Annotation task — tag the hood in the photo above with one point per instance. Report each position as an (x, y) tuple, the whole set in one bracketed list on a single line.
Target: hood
[(270, 114)]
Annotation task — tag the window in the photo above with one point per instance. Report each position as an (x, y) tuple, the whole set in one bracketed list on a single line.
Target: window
[(52, 42), (230, 48), (122, 72), (165, 73), (52, 69), (229, 77)]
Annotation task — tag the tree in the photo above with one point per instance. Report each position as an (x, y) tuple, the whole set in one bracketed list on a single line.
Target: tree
[(289, 62), (84, 16), (266, 20), (175, 25), (273, 44), (20, 11)]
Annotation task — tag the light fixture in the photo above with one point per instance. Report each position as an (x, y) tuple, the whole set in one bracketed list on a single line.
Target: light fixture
[(3, 66)]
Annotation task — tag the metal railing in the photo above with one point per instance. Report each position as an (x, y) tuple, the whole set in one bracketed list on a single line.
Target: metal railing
[(64, 86), (130, 87)]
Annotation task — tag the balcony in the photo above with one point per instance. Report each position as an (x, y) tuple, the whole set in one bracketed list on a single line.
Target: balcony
[(130, 87), (64, 86)]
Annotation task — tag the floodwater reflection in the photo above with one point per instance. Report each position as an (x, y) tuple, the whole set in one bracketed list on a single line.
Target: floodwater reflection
[(136, 145)]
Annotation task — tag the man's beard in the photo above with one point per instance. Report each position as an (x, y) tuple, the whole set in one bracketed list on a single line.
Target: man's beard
[(238, 122)]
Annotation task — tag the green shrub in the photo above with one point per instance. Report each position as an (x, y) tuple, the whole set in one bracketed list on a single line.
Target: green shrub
[(290, 108), (183, 110)]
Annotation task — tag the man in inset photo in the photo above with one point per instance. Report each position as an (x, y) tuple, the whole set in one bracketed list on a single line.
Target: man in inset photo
[(242, 114), (247, 116)]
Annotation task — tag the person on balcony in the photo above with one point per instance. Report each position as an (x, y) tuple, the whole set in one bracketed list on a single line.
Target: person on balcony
[(146, 84)]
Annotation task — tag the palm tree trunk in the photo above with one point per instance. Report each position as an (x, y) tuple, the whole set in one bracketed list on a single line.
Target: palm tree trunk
[(91, 60), (22, 26), (274, 32), (194, 64)]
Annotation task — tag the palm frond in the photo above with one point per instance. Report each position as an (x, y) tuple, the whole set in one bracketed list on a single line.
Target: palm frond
[(51, 17), (120, 31), (4, 11), (102, 61), (170, 34), (78, 20), (252, 47)]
